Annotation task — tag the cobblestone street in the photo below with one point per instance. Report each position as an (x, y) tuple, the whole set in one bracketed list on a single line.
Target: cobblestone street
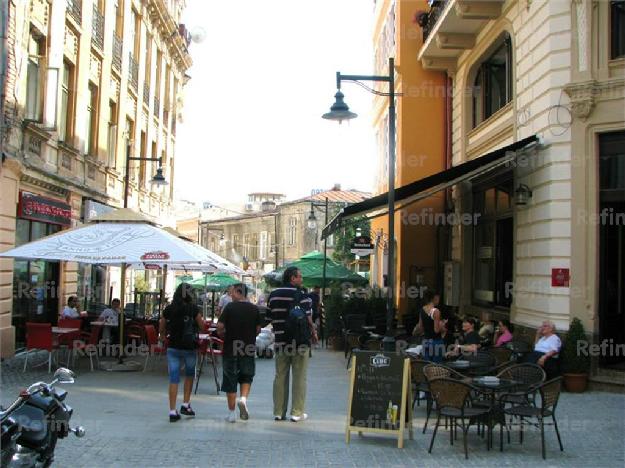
[(125, 415)]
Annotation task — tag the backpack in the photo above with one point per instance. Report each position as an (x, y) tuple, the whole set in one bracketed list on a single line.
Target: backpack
[(189, 337), (296, 326)]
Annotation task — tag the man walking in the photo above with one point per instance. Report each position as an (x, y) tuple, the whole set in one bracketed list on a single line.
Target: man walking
[(239, 323), (289, 354), (224, 300)]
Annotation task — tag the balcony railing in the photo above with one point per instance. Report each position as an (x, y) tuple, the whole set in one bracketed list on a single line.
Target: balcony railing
[(146, 94), (133, 71), (436, 8), (157, 105), (97, 28), (74, 9), (117, 53)]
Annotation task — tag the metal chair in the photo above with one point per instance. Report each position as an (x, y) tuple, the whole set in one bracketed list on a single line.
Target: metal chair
[(549, 396)]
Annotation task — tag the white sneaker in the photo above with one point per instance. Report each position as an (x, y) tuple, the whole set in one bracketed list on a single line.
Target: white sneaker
[(243, 413), (303, 417), (232, 417)]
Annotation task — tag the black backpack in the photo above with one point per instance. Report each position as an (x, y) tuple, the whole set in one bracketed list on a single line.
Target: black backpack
[(296, 326)]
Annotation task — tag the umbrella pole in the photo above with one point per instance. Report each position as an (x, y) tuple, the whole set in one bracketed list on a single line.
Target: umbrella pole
[(213, 308), (205, 292), (122, 315)]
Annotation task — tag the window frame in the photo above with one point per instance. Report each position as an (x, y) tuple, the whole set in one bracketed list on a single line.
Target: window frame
[(35, 71), (614, 36)]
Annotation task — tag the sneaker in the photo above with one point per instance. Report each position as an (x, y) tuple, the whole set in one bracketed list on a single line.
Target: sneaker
[(279, 418), (187, 410), (231, 418), (174, 417), (303, 417), (243, 413)]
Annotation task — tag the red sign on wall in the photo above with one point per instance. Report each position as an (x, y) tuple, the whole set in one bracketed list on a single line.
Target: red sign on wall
[(47, 210), (560, 277)]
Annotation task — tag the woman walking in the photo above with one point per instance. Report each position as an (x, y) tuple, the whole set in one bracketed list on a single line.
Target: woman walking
[(432, 327), (180, 322)]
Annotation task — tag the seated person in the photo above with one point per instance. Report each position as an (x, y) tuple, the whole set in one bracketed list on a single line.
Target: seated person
[(470, 341), (71, 310), (110, 317), (547, 345), (503, 333)]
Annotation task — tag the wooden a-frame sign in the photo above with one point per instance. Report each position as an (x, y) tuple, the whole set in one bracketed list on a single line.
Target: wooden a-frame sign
[(377, 380)]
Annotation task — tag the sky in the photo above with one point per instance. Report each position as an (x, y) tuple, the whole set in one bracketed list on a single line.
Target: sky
[(260, 81)]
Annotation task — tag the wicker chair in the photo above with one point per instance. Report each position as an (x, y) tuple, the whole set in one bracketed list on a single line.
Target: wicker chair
[(453, 400), (502, 355), (529, 375), (419, 382), (433, 372), (549, 396)]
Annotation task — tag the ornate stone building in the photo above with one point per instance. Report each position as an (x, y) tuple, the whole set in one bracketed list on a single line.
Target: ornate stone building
[(85, 81)]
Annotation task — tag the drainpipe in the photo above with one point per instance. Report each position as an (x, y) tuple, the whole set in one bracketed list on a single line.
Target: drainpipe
[(4, 21), (444, 232)]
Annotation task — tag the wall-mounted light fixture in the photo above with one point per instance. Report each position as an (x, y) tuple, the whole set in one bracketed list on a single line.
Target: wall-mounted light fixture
[(522, 195)]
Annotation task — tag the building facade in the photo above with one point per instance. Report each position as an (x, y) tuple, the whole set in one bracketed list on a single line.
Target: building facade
[(555, 69), (277, 234), (86, 82), (421, 140)]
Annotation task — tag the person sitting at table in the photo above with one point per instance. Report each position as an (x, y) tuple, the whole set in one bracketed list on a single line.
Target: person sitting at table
[(470, 341), (503, 333), (71, 310), (110, 317), (546, 347)]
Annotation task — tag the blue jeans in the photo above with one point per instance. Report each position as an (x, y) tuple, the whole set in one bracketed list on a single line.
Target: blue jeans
[(433, 350), (174, 358)]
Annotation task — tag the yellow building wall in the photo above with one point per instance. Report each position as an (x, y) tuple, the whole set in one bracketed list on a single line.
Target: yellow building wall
[(420, 151)]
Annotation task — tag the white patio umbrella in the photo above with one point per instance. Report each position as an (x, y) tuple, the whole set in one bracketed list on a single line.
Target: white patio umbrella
[(120, 237)]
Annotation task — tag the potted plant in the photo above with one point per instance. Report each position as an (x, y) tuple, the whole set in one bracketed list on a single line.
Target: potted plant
[(575, 364)]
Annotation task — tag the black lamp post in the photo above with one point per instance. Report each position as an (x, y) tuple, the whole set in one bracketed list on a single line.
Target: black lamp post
[(312, 224), (339, 112), (157, 180)]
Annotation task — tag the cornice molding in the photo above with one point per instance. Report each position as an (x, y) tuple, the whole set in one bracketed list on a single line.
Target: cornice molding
[(585, 94)]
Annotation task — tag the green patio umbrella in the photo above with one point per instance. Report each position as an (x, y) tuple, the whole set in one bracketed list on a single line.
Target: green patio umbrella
[(311, 266), (213, 283)]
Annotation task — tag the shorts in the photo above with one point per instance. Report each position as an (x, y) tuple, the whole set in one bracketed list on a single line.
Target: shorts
[(237, 369), (174, 358)]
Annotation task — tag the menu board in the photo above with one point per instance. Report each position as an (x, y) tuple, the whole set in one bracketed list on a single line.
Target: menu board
[(379, 392)]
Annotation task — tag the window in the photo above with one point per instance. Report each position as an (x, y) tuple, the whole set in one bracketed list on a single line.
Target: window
[(148, 58), (111, 143), (119, 18), (246, 246), (617, 29), (254, 247), (135, 28), (236, 244), (91, 137), (492, 88), (129, 135), (493, 242), (67, 103), (34, 79), (292, 233), (612, 162), (263, 245)]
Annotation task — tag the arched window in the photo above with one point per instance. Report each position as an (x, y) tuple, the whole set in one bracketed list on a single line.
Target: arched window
[(492, 88)]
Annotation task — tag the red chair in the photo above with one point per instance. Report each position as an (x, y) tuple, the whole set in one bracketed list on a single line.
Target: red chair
[(90, 347), (66, 339), (153, 346), (39, 336)]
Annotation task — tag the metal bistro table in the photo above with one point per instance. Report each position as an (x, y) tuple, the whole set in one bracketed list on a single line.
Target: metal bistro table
[(206, 340), (467, 367), (490, 388)]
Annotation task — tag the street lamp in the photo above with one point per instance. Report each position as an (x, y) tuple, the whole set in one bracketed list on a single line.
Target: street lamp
[(339, 112), (312, 225)]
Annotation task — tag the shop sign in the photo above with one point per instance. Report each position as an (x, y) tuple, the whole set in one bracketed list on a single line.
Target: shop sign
[(560, 277), (158, 255), (92, 208), (362, 246), (47, 210)]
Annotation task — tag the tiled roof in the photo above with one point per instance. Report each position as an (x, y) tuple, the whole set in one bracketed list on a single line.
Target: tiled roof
[(336, 196)]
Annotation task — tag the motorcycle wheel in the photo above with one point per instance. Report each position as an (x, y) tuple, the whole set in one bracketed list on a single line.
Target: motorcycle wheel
[(48, 456)]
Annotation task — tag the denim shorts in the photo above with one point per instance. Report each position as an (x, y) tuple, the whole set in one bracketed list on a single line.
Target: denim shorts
[(237, 369), (174, 361)]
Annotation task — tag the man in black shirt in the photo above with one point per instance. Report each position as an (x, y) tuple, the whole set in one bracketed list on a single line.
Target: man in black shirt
[(239, 323)]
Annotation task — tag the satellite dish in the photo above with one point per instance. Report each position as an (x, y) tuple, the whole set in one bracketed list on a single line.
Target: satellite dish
[(198, 34)]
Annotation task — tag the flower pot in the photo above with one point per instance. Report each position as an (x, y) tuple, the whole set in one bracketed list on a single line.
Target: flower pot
[(575, 383)]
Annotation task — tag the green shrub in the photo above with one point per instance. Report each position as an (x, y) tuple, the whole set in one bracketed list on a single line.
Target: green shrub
[(574, 362)]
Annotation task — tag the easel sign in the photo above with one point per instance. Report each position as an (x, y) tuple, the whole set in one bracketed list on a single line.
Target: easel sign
[(380, 395)]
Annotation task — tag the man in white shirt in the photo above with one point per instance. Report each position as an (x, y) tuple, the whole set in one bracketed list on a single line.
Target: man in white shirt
[(110, 317), (224, 300), (547, 345), (70, 310)]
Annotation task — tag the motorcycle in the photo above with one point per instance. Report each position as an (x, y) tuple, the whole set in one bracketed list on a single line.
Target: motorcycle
[(35, 421)]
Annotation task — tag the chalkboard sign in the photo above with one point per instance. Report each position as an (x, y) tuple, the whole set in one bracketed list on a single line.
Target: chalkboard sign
[(379, 392)]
